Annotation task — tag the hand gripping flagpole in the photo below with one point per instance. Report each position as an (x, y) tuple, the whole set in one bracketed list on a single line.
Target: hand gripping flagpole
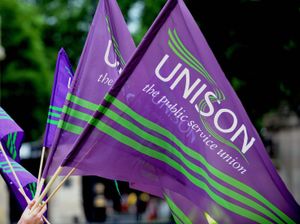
[(20, 187), (28, 200)]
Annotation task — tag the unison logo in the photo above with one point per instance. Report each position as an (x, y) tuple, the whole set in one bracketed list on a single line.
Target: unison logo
[(197, 93)]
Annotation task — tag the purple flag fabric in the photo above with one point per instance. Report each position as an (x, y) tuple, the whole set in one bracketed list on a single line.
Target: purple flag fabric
[(11, 135), (173, 120), (108, 46), (62, 82), (27, 180)]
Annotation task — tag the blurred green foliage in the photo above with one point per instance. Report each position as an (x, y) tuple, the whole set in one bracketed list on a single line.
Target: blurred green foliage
[(255, 42), (25, 71)]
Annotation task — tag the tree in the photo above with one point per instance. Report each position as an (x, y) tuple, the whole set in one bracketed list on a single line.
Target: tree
[(25, 72)]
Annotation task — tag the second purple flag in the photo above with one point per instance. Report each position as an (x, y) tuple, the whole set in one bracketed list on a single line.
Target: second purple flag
[(107, 48)]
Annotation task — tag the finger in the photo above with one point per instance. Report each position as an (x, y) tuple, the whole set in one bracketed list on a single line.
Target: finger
[(37, 219), (43, 210), (36, 210), (31, 204)]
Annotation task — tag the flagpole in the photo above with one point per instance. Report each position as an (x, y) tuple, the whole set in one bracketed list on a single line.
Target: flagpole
[(20, 187), (54, 177), (39, 188), (12, 170), (41, 164), (60, 185), (40, 181)]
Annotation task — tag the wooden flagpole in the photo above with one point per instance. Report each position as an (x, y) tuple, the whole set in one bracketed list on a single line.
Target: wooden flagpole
[(39, 188), (41, 164), (60, 185), (53, 178), (57, 172), (40, 181)]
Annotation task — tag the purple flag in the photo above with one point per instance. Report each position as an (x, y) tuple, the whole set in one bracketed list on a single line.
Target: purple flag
[(108, 46), (173, 120), (27, 180), (62, 82), (11, 135)]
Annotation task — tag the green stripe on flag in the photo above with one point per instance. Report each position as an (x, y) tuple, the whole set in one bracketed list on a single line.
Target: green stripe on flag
[(51, 114), (78, 114), (16, 170), (54, 122), (170, 162), (197, 156), (177, 211), (8, 143), (70, 127), (82, 102), (176, 219), (5, 117), (75, 129), (14, 166), (6, 163), (59, 109), (14, 148), (115, 43), (32, 188), (193, 168), (11, 144), (183, 56), (187, 150), (189, 55)]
